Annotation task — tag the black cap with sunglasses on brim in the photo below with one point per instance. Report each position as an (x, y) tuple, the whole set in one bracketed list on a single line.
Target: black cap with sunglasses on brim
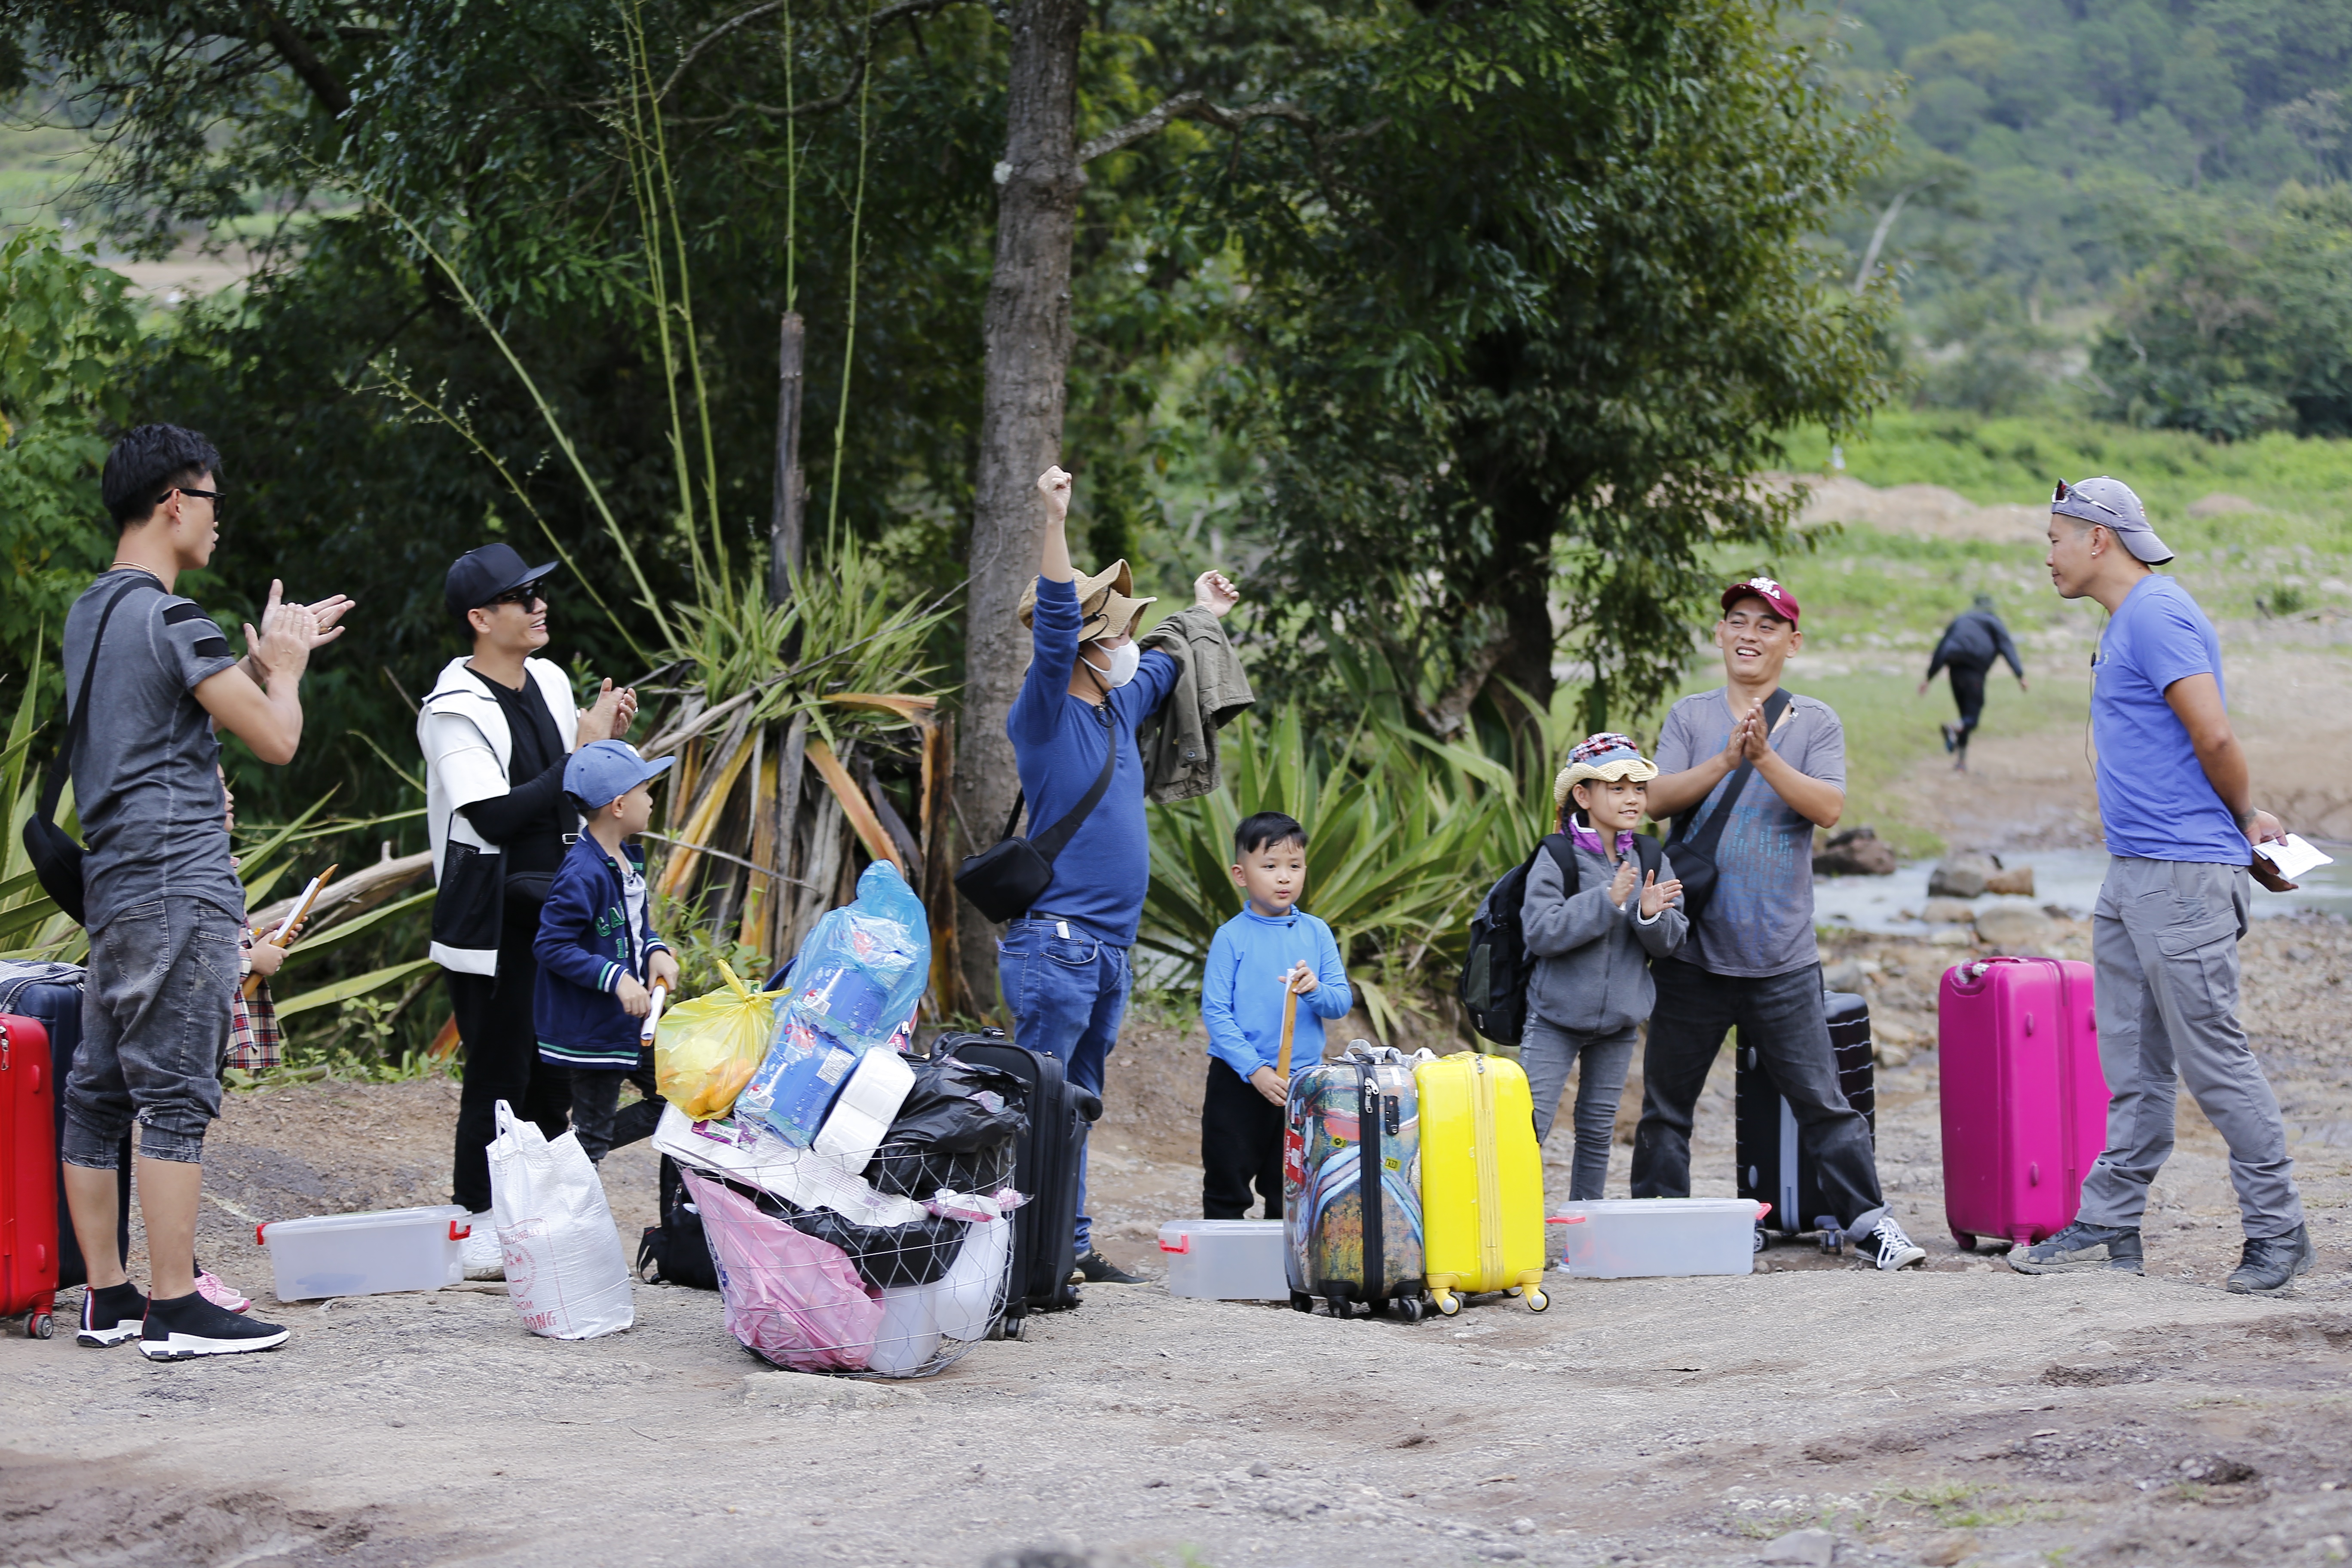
[(486, 575)]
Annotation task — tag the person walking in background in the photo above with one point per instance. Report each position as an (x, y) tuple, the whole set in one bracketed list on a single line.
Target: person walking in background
[(1592, 919), (496, 730), (2176, 802), (1062, 965), (1751, 961), (149, 676), (1260, 959), (1969, 646)]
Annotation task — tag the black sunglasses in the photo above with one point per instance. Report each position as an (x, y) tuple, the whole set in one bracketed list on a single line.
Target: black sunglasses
[(212, 496), (522, 596), (2067, 492)]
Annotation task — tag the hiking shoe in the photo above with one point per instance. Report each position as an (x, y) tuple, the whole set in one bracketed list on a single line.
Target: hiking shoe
[(2270, 1265), (220, 1292), (479, 1251), (1888, 1248), (111, 1316), (2080, 1248), (186, 1327), (1096, 1269)]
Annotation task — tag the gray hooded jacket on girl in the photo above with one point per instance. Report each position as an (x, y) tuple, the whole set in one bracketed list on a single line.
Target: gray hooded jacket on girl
[(1593, 971)]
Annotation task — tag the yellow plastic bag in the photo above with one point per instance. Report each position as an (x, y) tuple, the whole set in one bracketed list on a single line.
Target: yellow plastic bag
[(706, 1050)]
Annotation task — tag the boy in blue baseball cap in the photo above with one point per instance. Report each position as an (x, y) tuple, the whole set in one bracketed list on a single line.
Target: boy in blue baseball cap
[(597, 951)]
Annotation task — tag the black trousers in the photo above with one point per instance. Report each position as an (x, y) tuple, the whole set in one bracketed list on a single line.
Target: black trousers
[(1968, 693), (1781, 1016), (1241, 1142), (502, 1048), (595, 1100)]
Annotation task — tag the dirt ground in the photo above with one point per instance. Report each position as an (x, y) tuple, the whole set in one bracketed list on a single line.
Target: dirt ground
[(1963, 1413)]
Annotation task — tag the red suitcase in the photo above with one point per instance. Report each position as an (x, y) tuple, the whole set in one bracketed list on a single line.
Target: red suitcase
[(2024, 1101), (28, 1177)]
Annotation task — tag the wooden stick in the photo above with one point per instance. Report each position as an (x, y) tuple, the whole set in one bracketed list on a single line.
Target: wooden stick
[(1289, 1022), (282, 936)]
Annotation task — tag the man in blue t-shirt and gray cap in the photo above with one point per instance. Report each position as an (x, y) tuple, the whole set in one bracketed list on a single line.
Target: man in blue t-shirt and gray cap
[(2177, 805)]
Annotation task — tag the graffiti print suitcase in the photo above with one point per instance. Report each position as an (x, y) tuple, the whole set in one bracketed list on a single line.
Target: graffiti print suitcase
[(1773, 1168), (2024, 1100), (1481, 1197), (29, 1177), (1351, 1128)]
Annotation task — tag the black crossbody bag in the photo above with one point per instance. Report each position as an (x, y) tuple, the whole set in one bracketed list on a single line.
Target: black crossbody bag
[(1006, 879), (56, 858), (1695, 853)]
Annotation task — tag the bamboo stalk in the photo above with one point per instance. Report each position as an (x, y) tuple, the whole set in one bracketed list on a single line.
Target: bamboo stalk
[(790, 777), (761, 892)]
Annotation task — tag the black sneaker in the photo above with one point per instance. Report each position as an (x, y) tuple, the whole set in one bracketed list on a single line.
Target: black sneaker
[(1096, 1269), (2080, 1248), (1951, 737), (2269, 1266), (111, 1316), (186, 1327), (1886, 1248)]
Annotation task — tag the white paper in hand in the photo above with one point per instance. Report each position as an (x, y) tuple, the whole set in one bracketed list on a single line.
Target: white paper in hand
[(2295, 858)]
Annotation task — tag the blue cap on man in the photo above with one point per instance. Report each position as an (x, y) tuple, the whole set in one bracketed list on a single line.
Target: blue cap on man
[(602, 772)]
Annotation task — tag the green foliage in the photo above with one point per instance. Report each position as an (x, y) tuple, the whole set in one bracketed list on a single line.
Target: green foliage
[(2235, 334), (69, 340), (1404, 836), (1528, 314)]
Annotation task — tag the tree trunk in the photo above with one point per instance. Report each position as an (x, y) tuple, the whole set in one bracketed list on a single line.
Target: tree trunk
[(785, 521), (1025, 337)]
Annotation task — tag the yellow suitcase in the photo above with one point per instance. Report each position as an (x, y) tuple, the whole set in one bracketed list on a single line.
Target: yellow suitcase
[(1481, 1180)]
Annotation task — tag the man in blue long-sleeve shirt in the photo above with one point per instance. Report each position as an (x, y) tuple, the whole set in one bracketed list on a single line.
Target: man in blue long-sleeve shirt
[(1969, 646), (1063, 967), (1257, 960)]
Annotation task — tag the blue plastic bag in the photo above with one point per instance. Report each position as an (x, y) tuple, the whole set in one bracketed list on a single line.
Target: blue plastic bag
[(855, 987)]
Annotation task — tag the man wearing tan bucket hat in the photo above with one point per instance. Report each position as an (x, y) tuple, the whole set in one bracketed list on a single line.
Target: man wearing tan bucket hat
[(1063, 966)]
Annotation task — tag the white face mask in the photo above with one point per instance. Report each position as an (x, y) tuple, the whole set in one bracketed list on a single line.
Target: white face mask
[(1125, 660)]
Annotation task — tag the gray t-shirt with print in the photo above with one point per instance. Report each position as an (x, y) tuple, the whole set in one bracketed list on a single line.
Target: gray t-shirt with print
[(1759, 920), (146, 784)]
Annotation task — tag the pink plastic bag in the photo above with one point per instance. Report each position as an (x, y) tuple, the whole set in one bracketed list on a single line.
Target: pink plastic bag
[(791, 1299)]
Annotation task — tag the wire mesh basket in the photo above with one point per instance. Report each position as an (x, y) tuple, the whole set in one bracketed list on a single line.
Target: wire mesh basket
[(812, 1290)]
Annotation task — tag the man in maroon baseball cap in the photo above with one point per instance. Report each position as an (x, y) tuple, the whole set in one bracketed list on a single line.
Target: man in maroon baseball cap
[(1747, 771)]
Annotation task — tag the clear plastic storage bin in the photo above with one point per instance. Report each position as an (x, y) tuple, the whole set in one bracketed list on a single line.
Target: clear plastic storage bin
[(365, 1254), (1629, 1238), (1225, 1259)]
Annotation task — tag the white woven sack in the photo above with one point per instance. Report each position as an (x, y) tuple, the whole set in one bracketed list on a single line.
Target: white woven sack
[(566, 1272)]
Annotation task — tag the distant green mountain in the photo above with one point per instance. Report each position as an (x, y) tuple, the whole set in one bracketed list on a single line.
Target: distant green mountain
[(2131, 207)]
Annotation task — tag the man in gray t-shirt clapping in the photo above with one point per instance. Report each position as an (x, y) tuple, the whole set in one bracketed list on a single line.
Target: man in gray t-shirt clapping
[(1750, 962)]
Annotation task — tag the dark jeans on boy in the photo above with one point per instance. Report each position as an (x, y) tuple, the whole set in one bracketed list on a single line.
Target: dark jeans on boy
[(595, 1099), (154, 1026), (1782, 1017), (1241, 1142), (501, 1046)]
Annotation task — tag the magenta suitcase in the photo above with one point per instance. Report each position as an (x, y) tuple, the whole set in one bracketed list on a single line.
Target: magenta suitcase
[(2024, 1102)]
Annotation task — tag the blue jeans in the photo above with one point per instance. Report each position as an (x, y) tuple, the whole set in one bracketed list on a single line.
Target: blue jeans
[(1067, 995)]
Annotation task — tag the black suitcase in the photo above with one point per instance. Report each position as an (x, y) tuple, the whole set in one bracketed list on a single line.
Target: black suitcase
[(52, 993), (1772, 1165), (1046, 1162)]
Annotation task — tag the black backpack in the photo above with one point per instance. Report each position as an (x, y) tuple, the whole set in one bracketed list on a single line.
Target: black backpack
[(1494, 986), (676, 1252)]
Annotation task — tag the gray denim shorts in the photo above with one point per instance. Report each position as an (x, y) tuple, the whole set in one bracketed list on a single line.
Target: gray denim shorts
[(154, 1025)]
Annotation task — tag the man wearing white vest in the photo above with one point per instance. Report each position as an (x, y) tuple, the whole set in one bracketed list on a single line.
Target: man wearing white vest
[(495, 730)]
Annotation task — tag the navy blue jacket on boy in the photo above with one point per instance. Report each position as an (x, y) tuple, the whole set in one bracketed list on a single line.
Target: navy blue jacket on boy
[(583, 949)]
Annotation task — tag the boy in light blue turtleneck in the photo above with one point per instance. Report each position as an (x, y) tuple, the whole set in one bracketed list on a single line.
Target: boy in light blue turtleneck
[(1270, 948)]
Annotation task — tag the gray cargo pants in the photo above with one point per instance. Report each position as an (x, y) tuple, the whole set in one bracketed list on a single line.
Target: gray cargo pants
[(2164, 939)]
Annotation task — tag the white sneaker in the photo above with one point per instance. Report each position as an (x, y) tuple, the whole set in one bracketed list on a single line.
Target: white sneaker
[(479, 1252), (1887, 1247)]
